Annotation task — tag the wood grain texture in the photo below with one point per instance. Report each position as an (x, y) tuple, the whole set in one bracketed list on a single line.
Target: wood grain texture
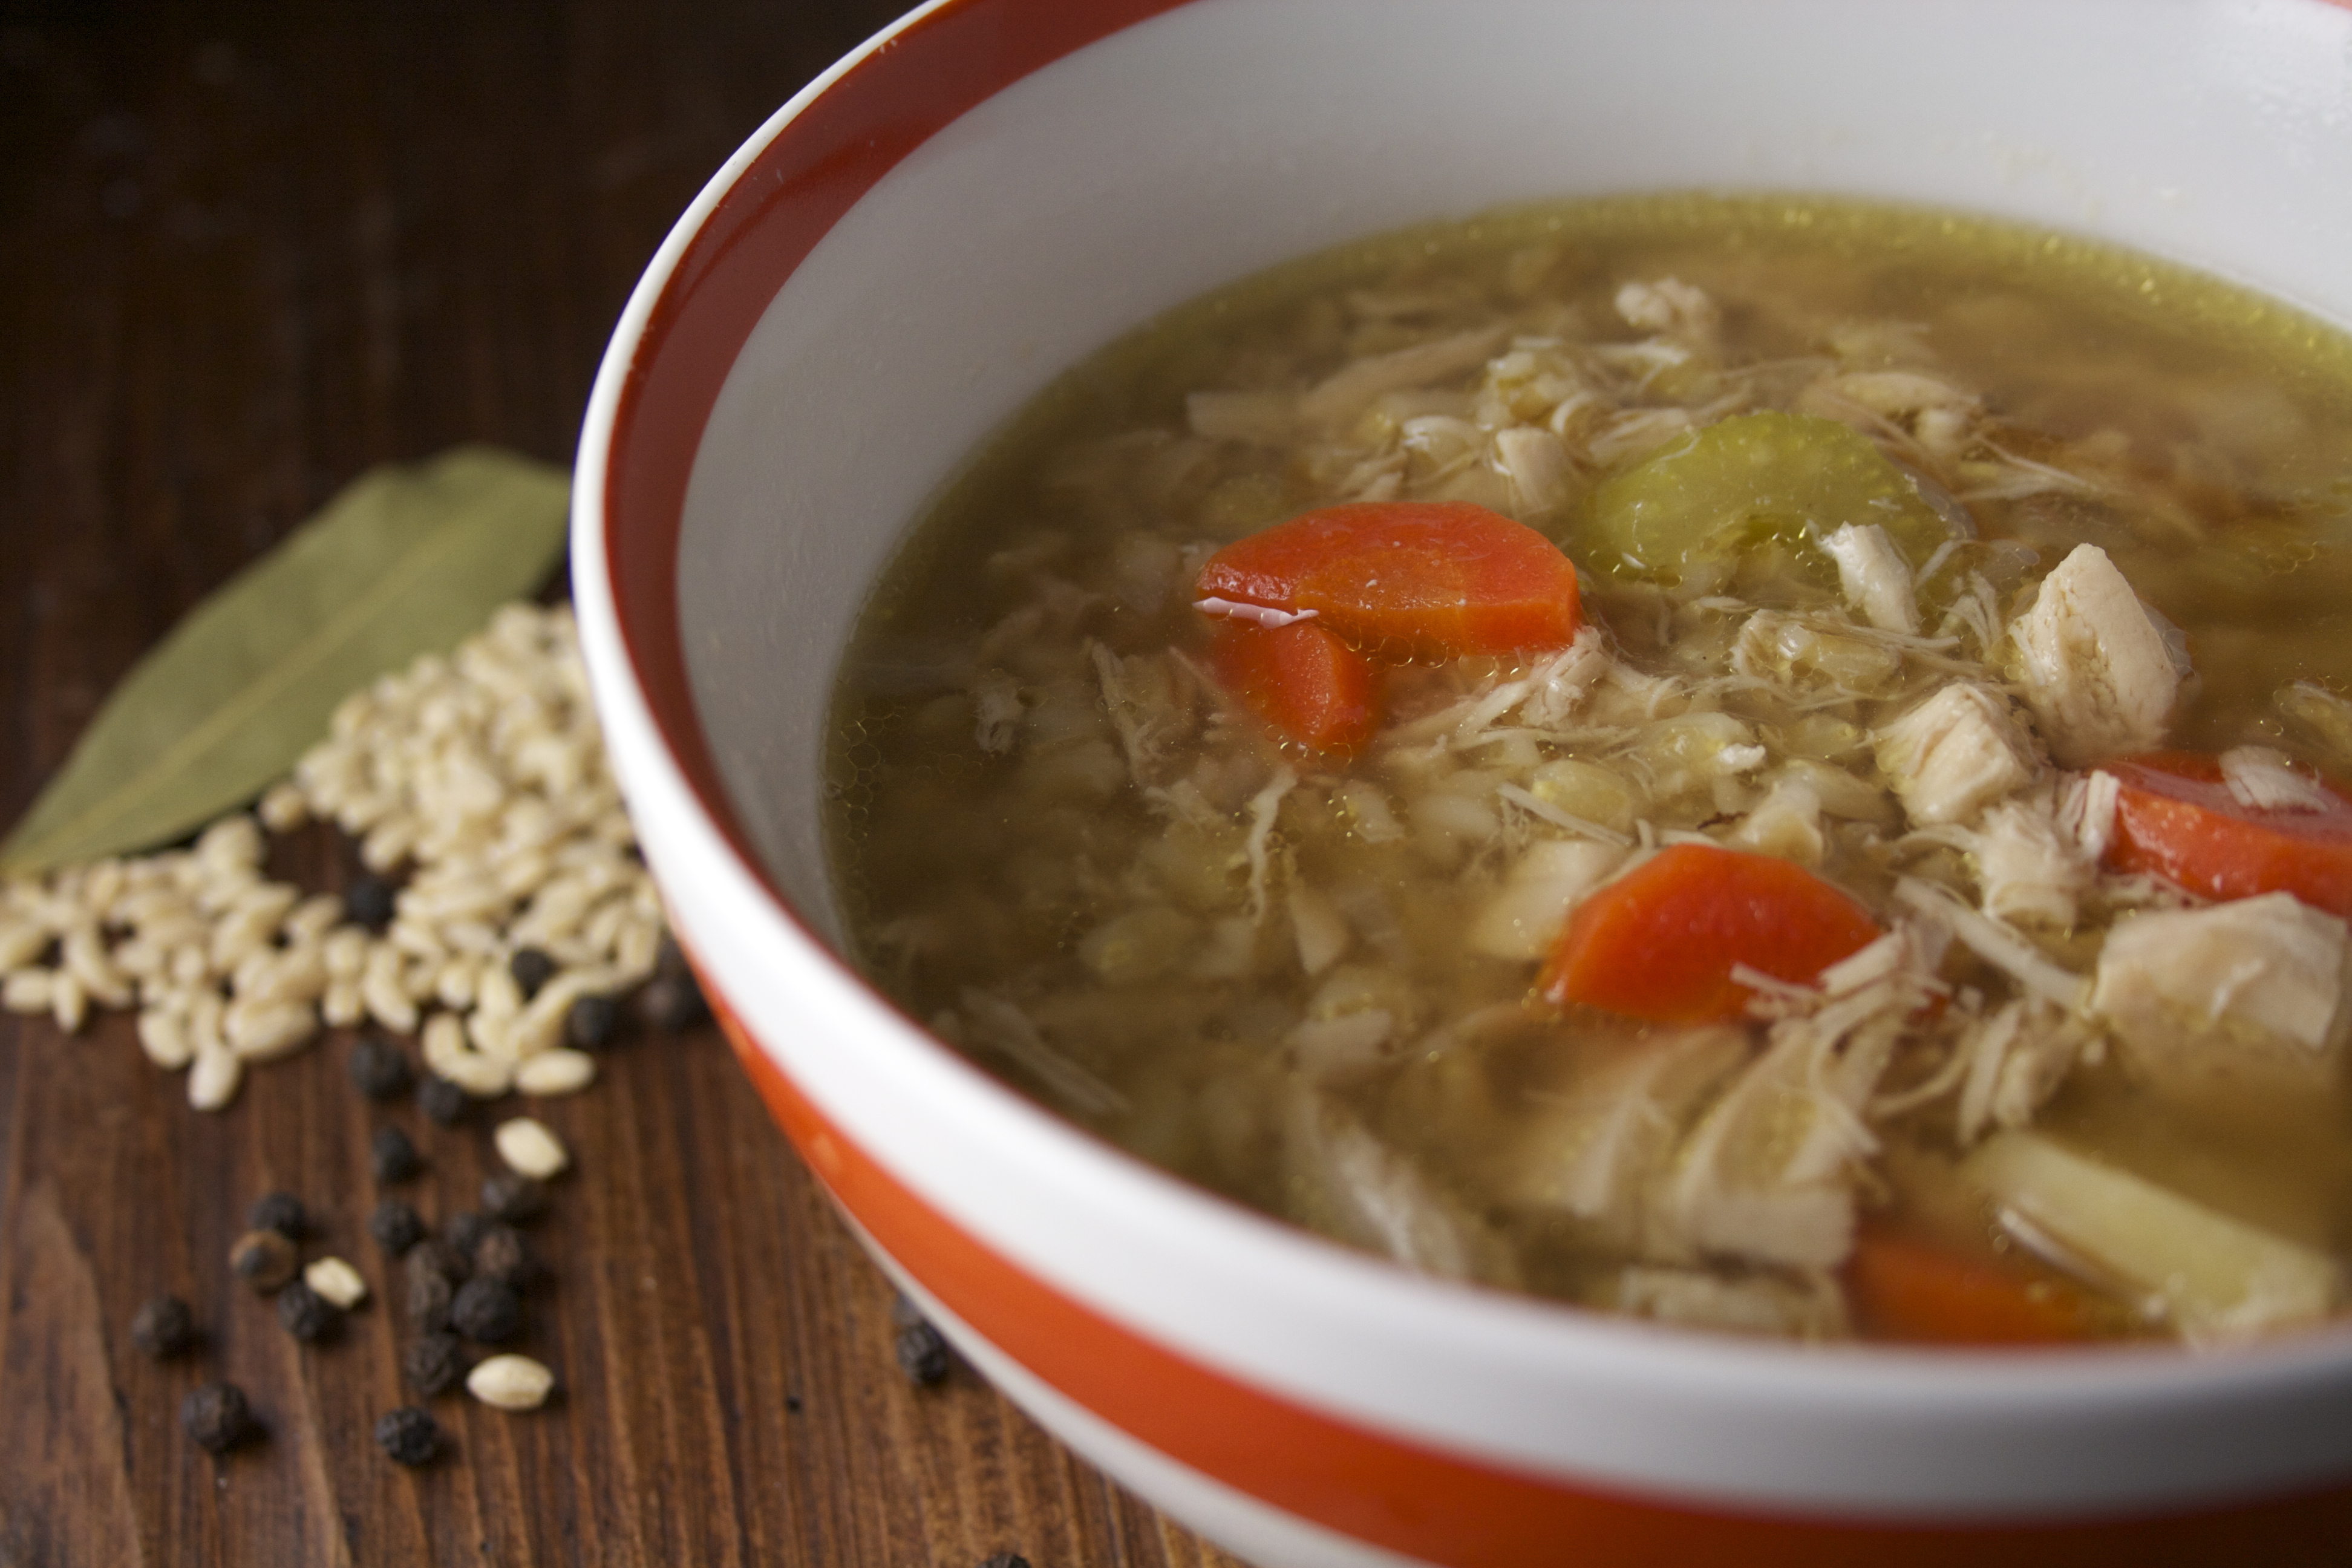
[(246, 250)]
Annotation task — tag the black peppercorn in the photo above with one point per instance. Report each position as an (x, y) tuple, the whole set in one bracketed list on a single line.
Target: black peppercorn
[(442, 1101), (514, 1197), (368, 901), (434, 1364), (434, 1255), (591, 1021), (395, 1226), (672, 1003), (263, 1259), (163, 1328), (462, 1230), (1006, 1560), (379, 1069), (408, 1436), (922, 1354), (393, 1157), (281, 1212), (306, 1315), (531, 969), (216, 1416), (487, 1311), (435, 1270), (503, 1255)]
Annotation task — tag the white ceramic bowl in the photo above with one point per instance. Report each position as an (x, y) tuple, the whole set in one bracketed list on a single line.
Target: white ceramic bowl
[(913, 247)]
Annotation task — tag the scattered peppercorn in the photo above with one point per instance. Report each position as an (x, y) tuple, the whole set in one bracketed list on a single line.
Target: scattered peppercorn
[(591, 1021), (1006, 1560), (429, 1296), (531, 969), (503, 1255), (306, 1315), (434, 1255), (263, 1259), (432, 1286), (216, 1416), (281, 1212), (395, 1226), (379, 1069), (487, 1311), (922, 1354), (462, 1230), (393, 1157), (163, 1328), (672, 1003), (408, 1435), (442, 1101), (368, 901), (435, 1363), (510, 1196)]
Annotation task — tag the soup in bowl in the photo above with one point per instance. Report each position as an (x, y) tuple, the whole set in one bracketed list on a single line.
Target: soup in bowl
[(927, 239)]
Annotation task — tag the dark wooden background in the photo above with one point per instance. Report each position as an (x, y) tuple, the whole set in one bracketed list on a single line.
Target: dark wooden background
[(246, 250)]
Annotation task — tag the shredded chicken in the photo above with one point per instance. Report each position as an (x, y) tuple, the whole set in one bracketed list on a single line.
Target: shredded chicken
[(1805, 1306), (995, 1025), (2263, 779), (1596, 1151), (2244, 993), (1875, 578), (1352, 1185), (2097, 670), (2028, 865), (1954, 754)]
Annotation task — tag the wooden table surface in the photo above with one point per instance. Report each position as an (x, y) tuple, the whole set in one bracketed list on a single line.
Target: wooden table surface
[(248, 249)]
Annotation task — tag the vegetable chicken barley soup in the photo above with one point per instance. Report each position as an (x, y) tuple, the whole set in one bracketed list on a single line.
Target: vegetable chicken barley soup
[(1758, 763)]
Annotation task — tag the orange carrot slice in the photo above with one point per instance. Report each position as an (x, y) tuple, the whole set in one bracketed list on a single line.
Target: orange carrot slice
[(1903, 1287), (1407, 579), (2174, 817), (1661, 941), (1301, 681)]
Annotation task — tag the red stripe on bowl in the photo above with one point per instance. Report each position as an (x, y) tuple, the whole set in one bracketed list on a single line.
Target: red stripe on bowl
[(1418, 1500)]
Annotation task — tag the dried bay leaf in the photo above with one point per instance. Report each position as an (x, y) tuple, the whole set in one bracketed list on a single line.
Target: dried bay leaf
[(406, 560)]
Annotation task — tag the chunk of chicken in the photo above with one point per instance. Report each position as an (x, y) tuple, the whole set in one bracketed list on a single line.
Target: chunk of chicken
[(2029, 867), (1808, 1306), (2098, 671), (1537, 466), (1767, 1175), (1874, 577), (1522, 919), (1953, 754), (1593, 1152), (2247, 993), (1348, 1185)]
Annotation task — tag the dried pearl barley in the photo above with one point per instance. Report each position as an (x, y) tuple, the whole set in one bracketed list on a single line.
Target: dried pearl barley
[(527, 1146), (558, 1071), (510, 1382), (337, 1280), (214, 1078)]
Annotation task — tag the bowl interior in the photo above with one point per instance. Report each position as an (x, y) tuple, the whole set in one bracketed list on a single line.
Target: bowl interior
[(1225, 136)]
